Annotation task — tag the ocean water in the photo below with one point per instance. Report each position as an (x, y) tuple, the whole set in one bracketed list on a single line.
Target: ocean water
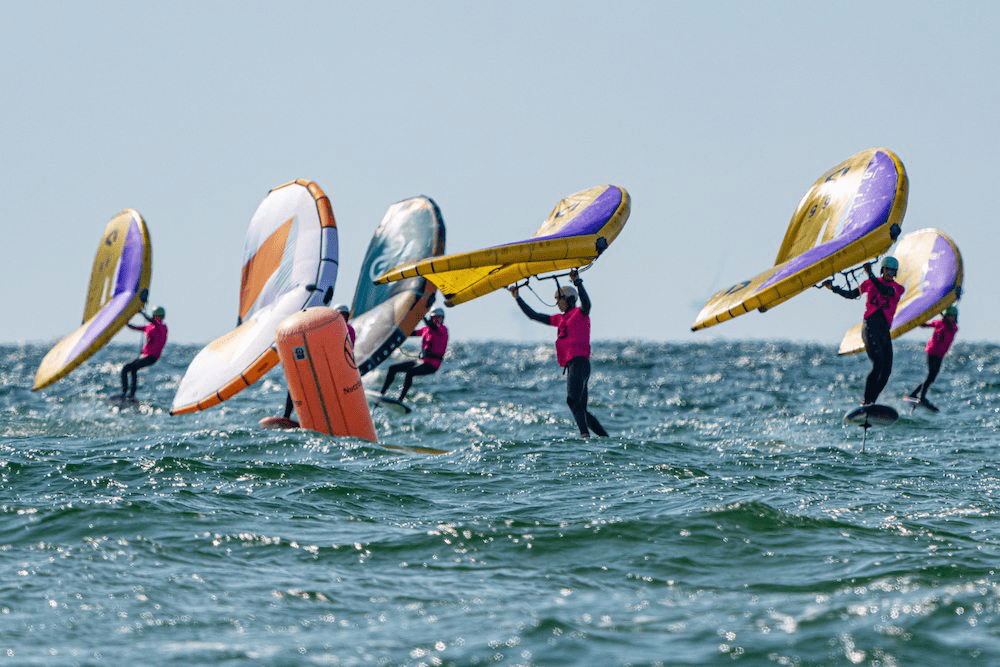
[(731, 518)]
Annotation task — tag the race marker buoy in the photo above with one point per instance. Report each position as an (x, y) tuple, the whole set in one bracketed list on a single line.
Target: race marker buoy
[(323, 379)]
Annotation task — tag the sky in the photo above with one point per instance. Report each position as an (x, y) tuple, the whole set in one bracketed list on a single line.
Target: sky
[(717, 117)]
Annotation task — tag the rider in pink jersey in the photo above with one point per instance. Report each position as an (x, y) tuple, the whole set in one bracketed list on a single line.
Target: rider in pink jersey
[(883, 297), (345, 312), (156, 338), (433, 344), (944, 333), (572, 348)]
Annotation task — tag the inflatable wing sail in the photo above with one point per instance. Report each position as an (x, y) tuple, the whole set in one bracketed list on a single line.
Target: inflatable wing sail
[(579, 229), (930, 268), (850, 214), (289, 263), (119, 283), (384, 315)]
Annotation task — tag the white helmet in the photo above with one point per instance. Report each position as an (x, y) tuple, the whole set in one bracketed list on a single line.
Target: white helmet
[(438, 312), (566, 292)]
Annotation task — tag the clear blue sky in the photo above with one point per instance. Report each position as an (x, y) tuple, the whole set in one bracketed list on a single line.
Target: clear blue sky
[(716, 116)]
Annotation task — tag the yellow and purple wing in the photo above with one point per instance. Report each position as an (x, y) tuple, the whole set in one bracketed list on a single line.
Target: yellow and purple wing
[(119, 284), (577, 230), (930, 268), (851, 213)]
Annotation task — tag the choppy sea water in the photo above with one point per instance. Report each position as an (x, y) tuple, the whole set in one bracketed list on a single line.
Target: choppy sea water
[(731, 518)]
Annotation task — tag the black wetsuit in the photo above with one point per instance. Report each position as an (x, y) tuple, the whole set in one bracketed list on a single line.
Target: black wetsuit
[(577, 376), (577, 371), (410, 369), (933, 367), (129, 371), (878, 341)]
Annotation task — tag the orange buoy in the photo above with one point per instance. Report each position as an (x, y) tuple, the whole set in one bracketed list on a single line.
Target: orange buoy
[(323, 379)]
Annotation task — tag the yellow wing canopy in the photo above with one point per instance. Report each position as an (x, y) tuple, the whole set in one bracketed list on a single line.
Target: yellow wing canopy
[(119, 284), (930, 268), (577, 230), (850, 214)]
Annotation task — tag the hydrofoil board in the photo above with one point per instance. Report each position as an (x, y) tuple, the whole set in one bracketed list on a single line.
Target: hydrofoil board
[(376, 399), (873, 414), (915, 403)]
